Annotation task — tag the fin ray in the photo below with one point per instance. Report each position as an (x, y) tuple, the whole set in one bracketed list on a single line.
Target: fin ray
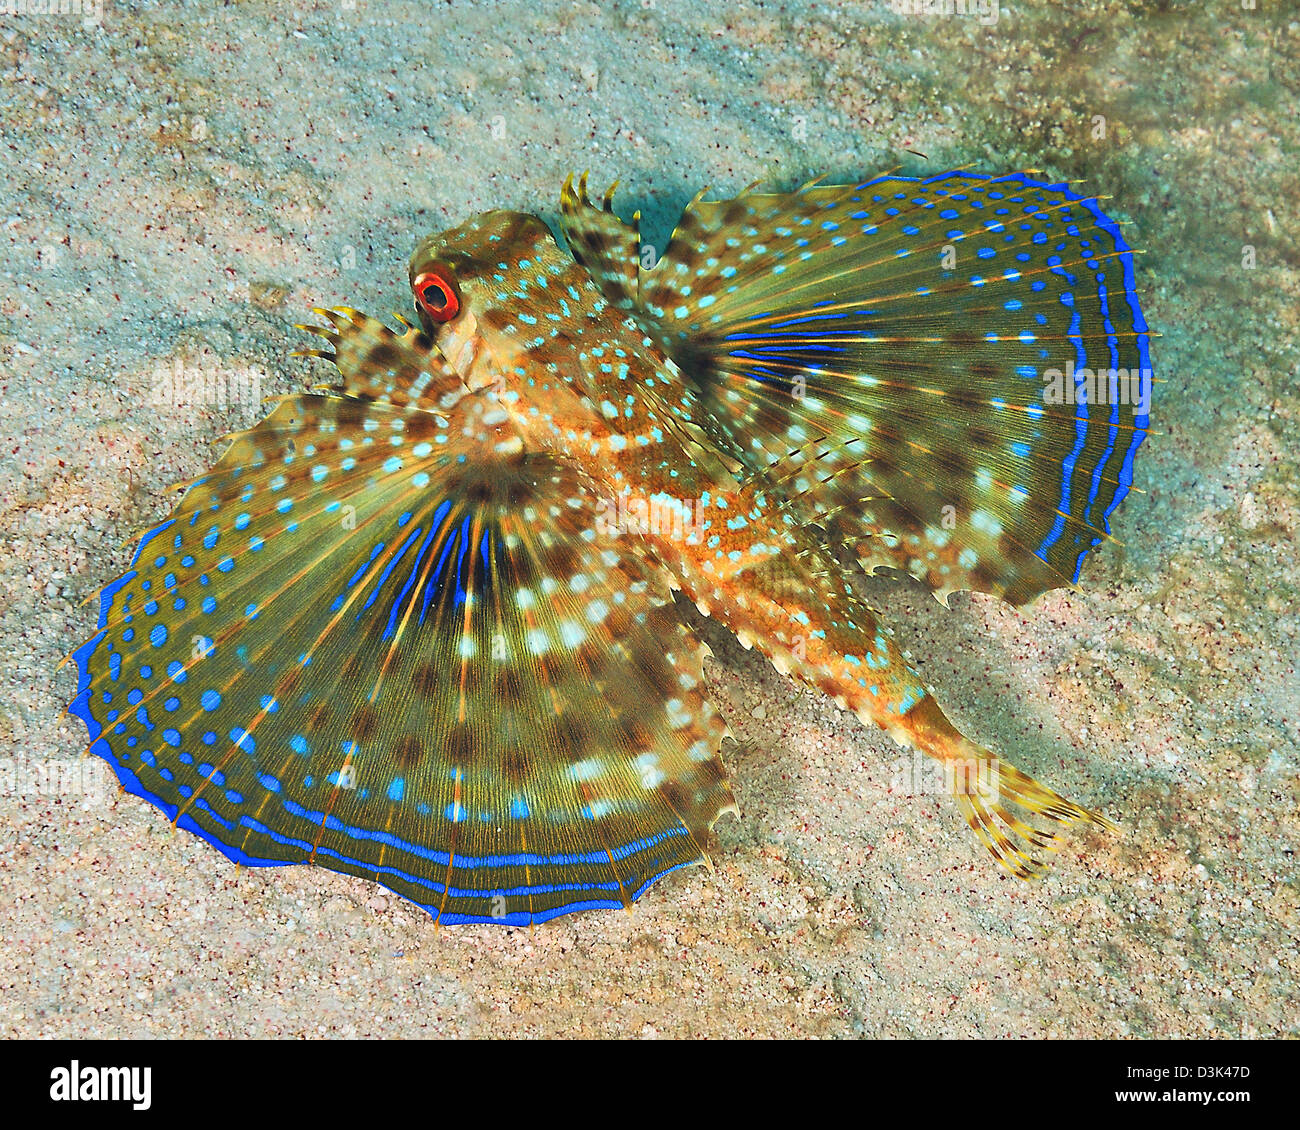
[(468, 690), (921, 329)]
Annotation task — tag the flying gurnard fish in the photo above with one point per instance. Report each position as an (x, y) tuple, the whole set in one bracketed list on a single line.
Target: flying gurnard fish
[(414, 626)]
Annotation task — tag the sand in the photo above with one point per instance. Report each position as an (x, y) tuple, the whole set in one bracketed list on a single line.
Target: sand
[(183, 181)]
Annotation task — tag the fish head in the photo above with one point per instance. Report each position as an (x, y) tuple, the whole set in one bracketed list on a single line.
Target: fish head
[(464, 278)]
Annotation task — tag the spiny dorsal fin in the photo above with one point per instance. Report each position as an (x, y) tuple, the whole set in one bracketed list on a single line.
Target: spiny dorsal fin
[(380, 365), (609, 248)]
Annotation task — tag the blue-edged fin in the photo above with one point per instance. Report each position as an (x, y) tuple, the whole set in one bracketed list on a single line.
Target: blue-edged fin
[(951, 375), (399, 645)]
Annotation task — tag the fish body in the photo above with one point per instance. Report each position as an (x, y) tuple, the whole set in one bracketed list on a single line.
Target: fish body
[(418, 625)]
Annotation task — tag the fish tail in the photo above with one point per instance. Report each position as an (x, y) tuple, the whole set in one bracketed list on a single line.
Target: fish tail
[(821, 633), (1015, 816)]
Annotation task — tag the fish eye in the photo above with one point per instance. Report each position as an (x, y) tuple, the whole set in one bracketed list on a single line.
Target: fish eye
[(436, 293)]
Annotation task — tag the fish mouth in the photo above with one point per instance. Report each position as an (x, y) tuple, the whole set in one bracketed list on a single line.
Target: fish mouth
[(464, 349)]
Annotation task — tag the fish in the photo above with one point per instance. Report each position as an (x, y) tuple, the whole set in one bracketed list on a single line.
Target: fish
[(423, 624)]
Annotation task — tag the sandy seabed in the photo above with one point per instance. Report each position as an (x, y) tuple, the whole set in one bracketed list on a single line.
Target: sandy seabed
[(183, 181)]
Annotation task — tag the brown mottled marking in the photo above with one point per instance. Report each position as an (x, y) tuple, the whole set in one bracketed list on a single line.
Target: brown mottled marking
[(618, 622), (952, 461), (636, 734), (509, 685), (479, 492), (365, 722), (516, 764), (352, 413), (385, 356), (458, 744), (675, 796), (518, 492), (563, 560), (421, 426), (663, 621), (409, 751), (573, 730), (426, 680), (660, 675), (710, 774), (353, 665)]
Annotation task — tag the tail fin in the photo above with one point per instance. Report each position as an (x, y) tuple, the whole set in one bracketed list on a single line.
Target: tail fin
[(986, 787), (1021, 847)]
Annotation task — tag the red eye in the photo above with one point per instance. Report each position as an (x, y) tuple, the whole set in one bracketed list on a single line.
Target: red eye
[(436, 294)]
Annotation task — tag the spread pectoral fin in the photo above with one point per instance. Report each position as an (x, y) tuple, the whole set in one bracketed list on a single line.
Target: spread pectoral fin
[(409, 649), (951, 374)]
